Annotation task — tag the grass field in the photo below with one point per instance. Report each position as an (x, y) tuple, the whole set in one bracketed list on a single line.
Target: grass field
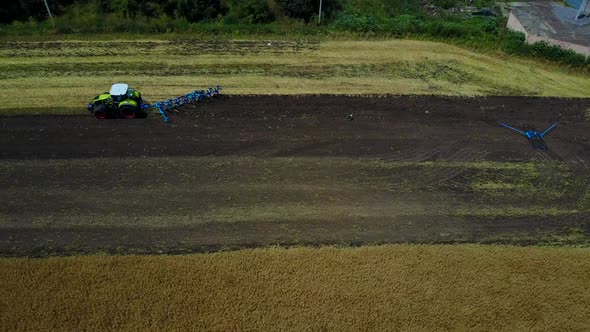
[(370, 288), (62, 76)]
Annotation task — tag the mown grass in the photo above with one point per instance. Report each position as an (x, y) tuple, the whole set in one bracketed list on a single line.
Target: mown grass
[(62, 76), (371, 288)]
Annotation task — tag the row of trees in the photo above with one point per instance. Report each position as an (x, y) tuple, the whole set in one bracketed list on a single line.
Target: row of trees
[(245, 11)]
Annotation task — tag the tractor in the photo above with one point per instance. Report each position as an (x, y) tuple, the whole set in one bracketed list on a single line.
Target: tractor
[(120, 102)]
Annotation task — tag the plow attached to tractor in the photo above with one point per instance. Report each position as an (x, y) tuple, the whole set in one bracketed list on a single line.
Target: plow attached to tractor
[(124, 102)]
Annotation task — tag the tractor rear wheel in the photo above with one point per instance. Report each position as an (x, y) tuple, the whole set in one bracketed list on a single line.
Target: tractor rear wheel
[(128, 112)]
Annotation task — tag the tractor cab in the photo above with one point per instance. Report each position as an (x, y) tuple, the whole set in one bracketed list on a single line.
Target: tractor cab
[(119, 92)]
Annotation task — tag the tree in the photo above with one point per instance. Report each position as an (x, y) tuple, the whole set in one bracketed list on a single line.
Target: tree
[(306, 9), (199, 10), (22, 10)]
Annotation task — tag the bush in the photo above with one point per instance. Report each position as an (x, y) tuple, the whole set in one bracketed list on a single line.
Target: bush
[(162, 24), (404, 25), (491, 27), (355, 23), (200, 10), (249, 12), (558, 54), (307, 9), (445, 29), (382, 10), (514, 42), (446, 4), (127, 8), (303, 9)]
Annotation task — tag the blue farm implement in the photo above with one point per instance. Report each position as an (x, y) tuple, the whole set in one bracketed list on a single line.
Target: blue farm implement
[(168, 104), (536, 138), (124, 102)]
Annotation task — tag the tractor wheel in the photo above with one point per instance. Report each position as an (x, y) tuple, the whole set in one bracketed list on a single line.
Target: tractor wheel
[(100, 112), (128, 112)]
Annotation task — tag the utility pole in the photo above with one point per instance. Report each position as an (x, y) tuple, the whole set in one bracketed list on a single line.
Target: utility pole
[(320, 14), (49, 12)]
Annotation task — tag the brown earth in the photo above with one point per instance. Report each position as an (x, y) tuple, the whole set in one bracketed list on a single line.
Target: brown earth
[(54, 167)]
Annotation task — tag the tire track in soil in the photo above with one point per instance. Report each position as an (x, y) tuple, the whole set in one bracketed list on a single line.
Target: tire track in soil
[(461, 155), (568, 154), (420, 153), (543, 156), (457, 153)]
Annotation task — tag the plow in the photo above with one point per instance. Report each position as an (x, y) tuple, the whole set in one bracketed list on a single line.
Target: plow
[(537, 139), (125, 102)]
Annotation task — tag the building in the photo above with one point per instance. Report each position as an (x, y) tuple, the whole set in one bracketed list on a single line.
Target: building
[(567, 27)]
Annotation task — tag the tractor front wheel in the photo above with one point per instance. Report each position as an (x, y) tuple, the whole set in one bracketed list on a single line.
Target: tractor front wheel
[(128, 112), (100, 112)]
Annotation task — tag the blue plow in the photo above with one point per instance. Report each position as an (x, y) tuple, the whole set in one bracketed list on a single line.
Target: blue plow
[(536, 138), (168, 104)]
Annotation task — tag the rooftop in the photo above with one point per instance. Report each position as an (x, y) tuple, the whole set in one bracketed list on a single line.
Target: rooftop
[(548, 19)]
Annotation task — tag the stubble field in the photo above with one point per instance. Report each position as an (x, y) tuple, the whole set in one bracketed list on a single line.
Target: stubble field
[(347, 289)]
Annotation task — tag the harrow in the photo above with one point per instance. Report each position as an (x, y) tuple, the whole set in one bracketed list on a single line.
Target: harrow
[(534, 137), (168, 104)]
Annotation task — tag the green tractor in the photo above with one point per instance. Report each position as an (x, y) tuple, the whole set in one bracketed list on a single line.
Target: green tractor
[(120, 102)]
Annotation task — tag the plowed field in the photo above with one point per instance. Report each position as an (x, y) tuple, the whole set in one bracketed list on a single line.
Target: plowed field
[(245, 171)]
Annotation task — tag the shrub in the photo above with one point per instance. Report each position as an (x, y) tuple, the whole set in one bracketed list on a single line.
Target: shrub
[(403, 25), (249, 12), (514, 42), (491, 27), (446, 29), (200, 10), (446, 4), (162, 24), (127, 8), (303, 9), (355, 23), (558, 54), (306, 9)]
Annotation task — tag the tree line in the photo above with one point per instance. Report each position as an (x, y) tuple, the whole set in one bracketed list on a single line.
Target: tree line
[(243, 11)]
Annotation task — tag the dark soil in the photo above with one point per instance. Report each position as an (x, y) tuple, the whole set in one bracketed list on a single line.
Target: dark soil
[(392, 128), (410, 128)]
